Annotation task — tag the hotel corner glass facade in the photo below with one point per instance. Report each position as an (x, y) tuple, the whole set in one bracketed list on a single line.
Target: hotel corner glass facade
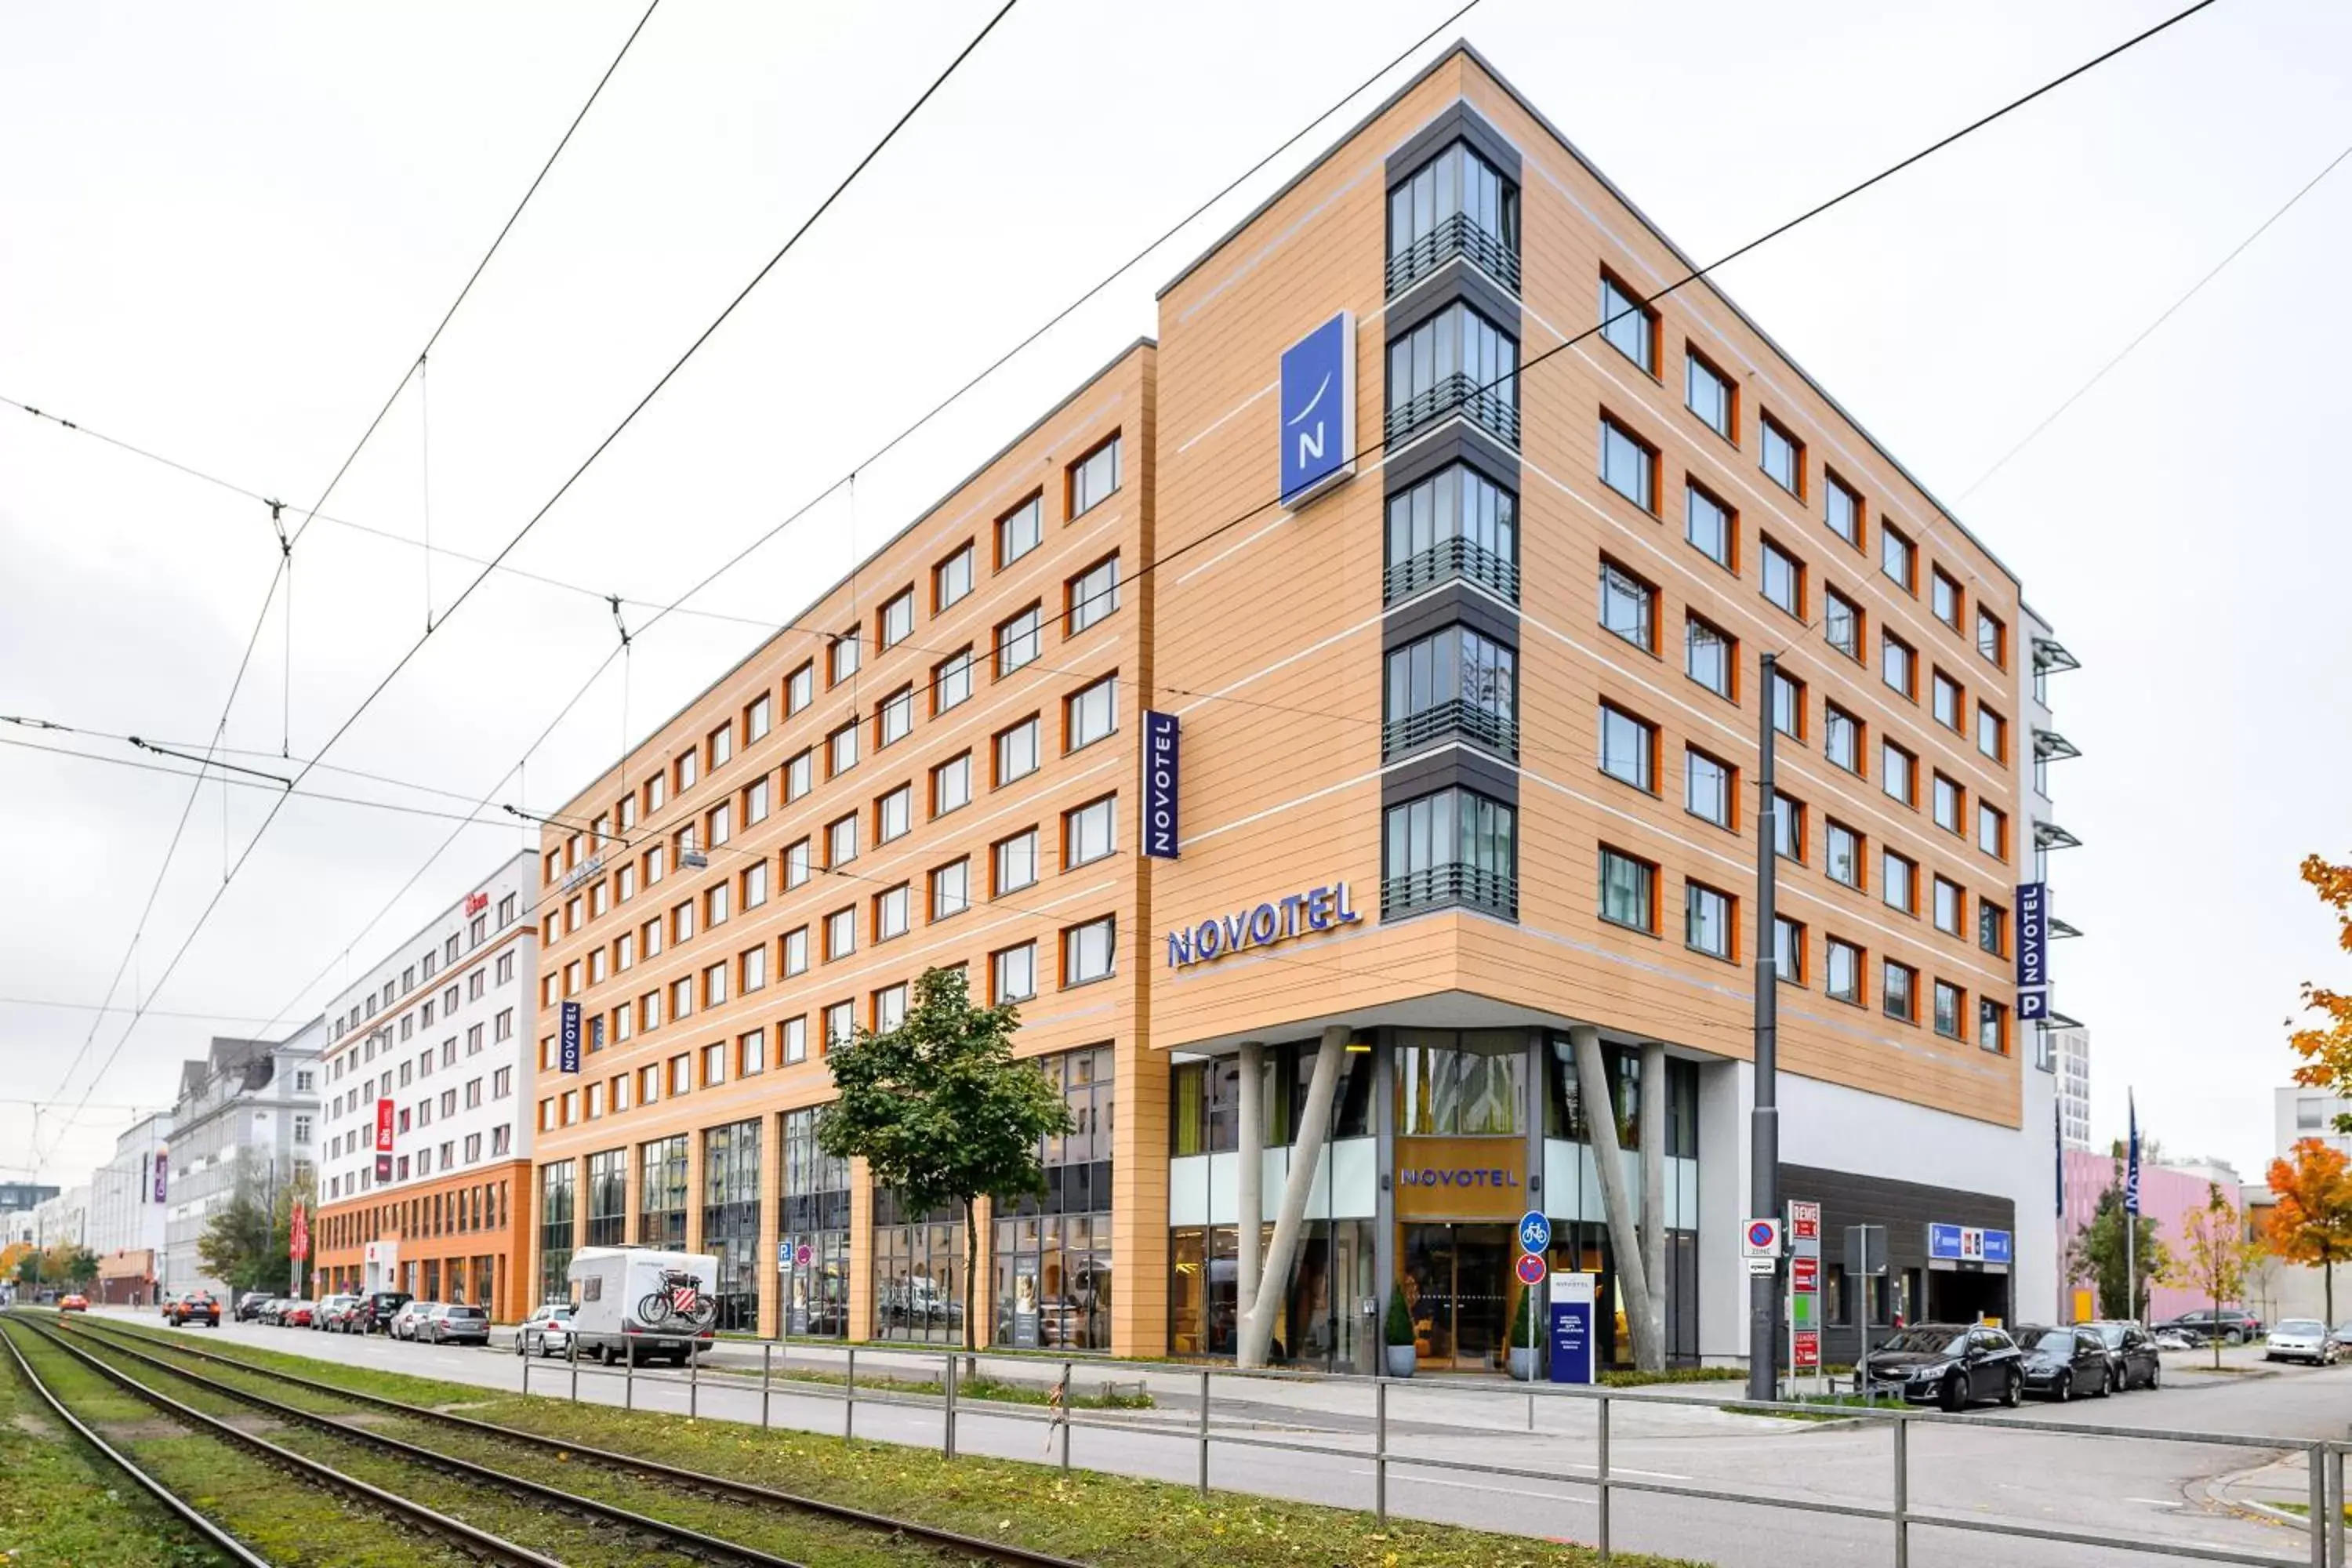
[(1450, 781)]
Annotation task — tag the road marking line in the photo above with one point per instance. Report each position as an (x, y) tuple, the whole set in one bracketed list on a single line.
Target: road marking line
[(1420, 1481), (2156, 1501)]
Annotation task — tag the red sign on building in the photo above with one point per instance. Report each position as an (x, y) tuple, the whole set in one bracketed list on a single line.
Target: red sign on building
[(383, 1140), (300, 1244), (1805, 1352), (1804, 1222), (476, 902)]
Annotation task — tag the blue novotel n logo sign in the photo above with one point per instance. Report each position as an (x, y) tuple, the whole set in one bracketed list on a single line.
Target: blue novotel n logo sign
[(1318, 410), (1267, 925), (1160, 768)]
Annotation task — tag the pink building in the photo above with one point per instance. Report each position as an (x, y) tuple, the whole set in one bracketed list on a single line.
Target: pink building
[(2166, 1196)]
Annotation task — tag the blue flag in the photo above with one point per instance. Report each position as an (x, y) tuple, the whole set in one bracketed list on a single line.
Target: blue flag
[(2131, 1170)]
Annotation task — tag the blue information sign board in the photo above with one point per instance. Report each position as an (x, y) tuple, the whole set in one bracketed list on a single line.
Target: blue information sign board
[(567, 1043), (1571, 1328), (1318, 410)]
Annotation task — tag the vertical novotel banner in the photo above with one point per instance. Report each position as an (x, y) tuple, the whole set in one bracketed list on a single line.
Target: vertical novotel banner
[(2032, 950), (1318, 410), (163, 1173), (1162, 762), (384, 1139), (567, 1040)]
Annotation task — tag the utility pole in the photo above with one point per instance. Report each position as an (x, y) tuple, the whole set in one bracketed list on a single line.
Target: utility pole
[(1764, 1120)]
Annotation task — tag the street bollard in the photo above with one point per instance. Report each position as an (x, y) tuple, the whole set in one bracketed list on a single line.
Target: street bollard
[(1902, 1491), (571, 1354), (628, 1376), (693, 1380), (947, 1425), (1381, 1453), (849, 1400), (1204, 1431), (2317, 1462), (525, 1353), (1531, 1410), (1600, 1486), (2335, 1510), (1066, 1418), (765, 1353)]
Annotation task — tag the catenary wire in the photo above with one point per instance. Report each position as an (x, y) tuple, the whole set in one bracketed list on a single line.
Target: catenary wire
[(245, 784), (1692, 275)]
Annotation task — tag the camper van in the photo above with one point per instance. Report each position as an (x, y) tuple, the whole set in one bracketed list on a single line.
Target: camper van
[(636, 1303)]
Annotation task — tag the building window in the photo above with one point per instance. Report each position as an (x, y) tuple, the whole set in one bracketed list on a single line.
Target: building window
[(1708, 787), (1992, 734), (951, 889), (1899, 559), (1993, 637), (1950, 802), (1993, 1026), (1784, 579), (1943, 700), (889, 1008), (951, 785), (892, 913), (1783, 456), (800, 690), (1710, 526), (1950, 1006), (1016, 862), (1629, 465), (1788, 828), (1709, 655), (1451, 683), (792, 1041), (1842, 508), (1950, 906), (750, 1053), (1841, 737), (896, 624), (1455, 523), (1016, 751), (1706, 920), (1712, 395), (1898, 985), (1457, 204), (1992, 928), (795, 949), (840, 934), (840, 1023), (1629, 606), (1944, 597), (1455, 362), (799, 776), (1020, 530), (1843, 964), (1012, 973), (755, 804), (951, 580), (841, 842), (1629, 748), (1453, 848), (1898, 772), (1629, 891), (1992, 830), (1088, 832), (714, 985), (841, 657), (1788, 950), (952, 682), (1788, 704), (842, 747), (1898, 881), (714, 1064), (895, 720), (797, 864), (1093, 595), (894, 813), (1089, 952), (1018, 641), (1629, 326), (1094, 477), (1091, 714), (1898, 665)]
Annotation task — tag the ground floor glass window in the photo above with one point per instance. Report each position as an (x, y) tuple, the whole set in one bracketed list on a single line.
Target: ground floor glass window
[(918, 1273)]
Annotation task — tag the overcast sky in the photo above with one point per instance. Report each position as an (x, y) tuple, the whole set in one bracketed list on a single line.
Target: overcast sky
[(229, 227)]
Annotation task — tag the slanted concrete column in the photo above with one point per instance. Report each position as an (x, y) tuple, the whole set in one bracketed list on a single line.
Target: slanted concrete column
[(1624, 1237), (1313, 1128), (1249, 1194), (1653, 1193)]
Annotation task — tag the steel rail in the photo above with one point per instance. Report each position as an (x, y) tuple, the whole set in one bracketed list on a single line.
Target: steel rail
[(746, 1491)]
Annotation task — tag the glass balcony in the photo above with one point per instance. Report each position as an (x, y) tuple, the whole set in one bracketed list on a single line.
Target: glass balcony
[(1493, 409), (1454, 885), (1460, 235)]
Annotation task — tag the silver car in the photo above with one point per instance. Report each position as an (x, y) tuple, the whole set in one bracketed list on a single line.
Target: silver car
[(404, 1321), (547, 1332), (2302, 1339)]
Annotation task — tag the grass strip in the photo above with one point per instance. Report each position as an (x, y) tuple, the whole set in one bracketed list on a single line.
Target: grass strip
[(1114, 1520)]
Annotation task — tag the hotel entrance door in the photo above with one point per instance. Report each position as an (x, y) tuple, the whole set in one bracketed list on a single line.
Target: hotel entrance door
[(1457, 1282)]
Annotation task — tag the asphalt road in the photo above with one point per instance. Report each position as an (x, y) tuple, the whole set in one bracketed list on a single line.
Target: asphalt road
[(2145, 1489)]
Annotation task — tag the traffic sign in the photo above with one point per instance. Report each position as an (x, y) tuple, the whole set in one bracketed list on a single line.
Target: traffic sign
[(1760, 1265), (1760, 1237), (1535, 1232), (803, 1254), (1531, 1268)]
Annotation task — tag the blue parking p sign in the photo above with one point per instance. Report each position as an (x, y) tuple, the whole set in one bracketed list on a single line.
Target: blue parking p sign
[(1318, 410)]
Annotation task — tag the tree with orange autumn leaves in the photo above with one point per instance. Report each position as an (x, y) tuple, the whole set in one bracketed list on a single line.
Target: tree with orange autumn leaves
[(2326, 1046), (2311, 1221)]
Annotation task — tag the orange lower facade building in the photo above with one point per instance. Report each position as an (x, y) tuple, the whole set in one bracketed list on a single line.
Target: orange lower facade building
[(1336, 726)]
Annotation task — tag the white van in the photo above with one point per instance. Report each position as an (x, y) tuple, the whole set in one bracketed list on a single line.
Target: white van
[(639, 1304)]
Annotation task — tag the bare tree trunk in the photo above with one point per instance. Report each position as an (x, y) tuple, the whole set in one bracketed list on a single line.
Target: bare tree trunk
[(1624, 1237)]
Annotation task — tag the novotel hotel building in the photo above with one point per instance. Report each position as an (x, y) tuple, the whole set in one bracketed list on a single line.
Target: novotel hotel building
[(1335, 725)]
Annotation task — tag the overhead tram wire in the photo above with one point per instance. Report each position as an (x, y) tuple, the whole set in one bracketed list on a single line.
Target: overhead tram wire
[(1693, 274), (283, 566), (204, 916)]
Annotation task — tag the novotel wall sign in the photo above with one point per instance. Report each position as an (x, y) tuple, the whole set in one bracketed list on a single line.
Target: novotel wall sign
[(1318, 410), (1162, 759), (1267, 925)]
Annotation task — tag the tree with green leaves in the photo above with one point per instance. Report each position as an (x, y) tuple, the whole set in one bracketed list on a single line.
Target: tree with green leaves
[(942, 1112), (2096, 1257), (249, 1244)]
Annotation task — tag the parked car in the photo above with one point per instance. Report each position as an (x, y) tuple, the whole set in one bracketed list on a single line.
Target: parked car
[(164, 1301), (547, 1332), (249, 1304), (452, 1324), (2132, 1360), (404, 1321), (297, 1314), (2302, 1339), (1950, 1364), (376, 1311), (2061, 1363), (2230, 1325), (195, 1306), (2171, 1340), (328, 1308), (73, 1303)]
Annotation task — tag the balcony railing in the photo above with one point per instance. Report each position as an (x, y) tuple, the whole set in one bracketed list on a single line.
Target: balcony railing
[(1491, 408), (1452, 718), (1456, 885), (1458, 235), (1449, 559)]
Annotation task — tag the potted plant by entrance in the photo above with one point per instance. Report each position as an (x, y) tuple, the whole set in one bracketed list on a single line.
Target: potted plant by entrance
[(1526, 1341), (1401, 1355)]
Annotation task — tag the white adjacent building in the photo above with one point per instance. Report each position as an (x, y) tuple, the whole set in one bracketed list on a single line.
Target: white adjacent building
[(128, 1198), (248, 1110), (2297, 1114), (2072, 1046)]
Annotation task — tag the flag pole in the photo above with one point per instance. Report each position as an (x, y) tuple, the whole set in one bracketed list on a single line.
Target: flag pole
[(2131, 1213)]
